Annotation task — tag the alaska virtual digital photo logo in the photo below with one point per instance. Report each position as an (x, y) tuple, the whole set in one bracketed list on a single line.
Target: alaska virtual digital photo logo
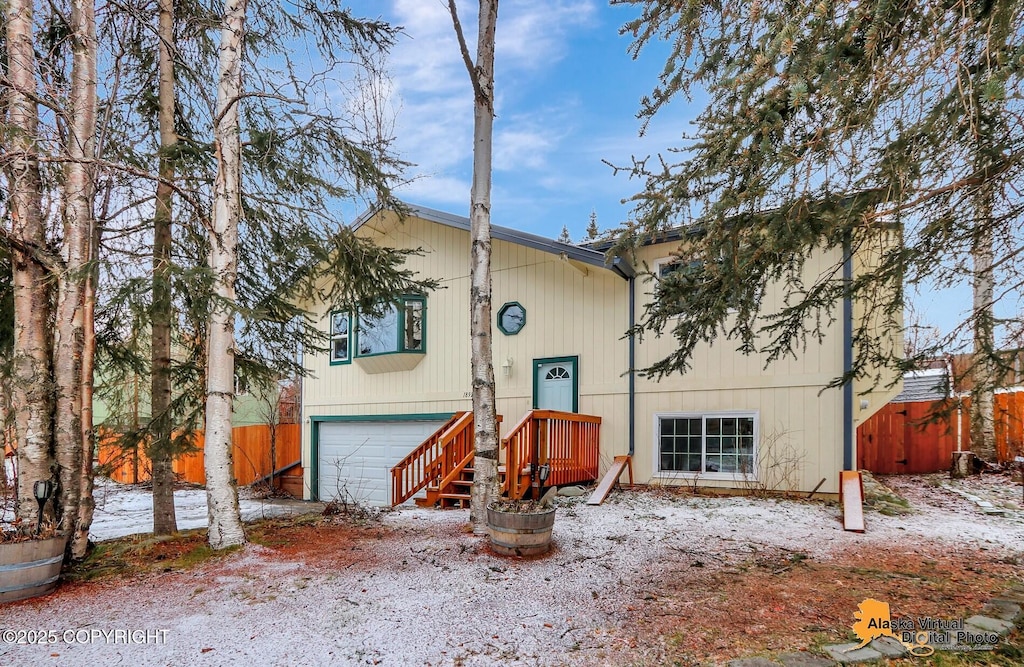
[(921, 636)]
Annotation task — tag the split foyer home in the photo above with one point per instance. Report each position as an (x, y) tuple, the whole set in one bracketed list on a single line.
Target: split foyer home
[(384, 412)]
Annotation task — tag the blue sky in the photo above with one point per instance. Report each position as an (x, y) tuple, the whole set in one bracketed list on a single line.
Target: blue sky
[(567, 95)]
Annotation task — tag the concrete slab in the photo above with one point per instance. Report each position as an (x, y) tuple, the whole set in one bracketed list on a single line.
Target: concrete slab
[(889, 647), (1013, 596), (989, 624), (804, 660), (848, 654), (1004, 610), (753, 662)]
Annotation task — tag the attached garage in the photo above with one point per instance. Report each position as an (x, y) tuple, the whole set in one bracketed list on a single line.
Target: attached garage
[(354, 455)]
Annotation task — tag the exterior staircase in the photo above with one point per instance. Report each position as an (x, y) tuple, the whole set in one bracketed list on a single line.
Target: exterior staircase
[(456, 493), (442, 466)]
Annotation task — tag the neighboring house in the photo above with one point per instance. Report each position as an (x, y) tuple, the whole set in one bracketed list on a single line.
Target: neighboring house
[(121, 403), (561, 313)]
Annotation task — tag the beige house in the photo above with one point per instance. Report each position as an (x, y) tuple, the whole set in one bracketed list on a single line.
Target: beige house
[(561, 313)]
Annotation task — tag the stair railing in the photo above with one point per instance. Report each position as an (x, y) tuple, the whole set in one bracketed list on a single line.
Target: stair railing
[(567, 442), (423, 464)]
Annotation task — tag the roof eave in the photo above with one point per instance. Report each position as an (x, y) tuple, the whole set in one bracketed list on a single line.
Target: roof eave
[(566, 250)]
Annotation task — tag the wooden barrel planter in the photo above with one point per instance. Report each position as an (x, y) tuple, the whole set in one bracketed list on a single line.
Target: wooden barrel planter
[(30, 568), (520, 533)]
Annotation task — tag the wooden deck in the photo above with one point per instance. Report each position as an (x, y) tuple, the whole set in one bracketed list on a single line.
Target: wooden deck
[(565, 444)]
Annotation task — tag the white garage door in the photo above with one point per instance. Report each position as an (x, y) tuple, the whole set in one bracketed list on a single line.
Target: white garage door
[(356, 457)]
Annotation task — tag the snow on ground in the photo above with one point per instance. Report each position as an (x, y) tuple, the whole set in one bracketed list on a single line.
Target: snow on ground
[(123, 510), (422, 591)]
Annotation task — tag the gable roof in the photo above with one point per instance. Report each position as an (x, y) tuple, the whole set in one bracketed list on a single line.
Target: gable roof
[(588, 256)]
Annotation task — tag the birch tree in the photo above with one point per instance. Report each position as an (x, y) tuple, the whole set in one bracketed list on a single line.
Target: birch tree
[(481, 75), (50, 372), (221, 490), (69, 348), (30, 259)]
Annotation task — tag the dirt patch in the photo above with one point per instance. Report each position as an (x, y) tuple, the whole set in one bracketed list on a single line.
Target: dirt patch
[(1002, 489), (774, 601)]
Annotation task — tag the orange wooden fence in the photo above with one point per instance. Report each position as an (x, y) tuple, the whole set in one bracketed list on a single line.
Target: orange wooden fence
[(251, 456), (1009, 422), (921, 437)]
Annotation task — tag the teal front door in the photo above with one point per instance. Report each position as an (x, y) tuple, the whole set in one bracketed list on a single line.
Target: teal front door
[(555, 384)]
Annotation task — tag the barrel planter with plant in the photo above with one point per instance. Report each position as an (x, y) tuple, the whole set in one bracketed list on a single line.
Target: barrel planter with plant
[(520, 528), (29, 566)]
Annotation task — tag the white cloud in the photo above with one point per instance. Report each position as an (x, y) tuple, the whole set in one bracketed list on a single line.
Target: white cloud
[(438, 190), (532, 34), (432, 95), (522, 148), (426, 59)]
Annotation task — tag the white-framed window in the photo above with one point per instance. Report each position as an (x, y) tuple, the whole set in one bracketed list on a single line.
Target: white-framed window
[(717, 445), (666, 266), (341, 337)]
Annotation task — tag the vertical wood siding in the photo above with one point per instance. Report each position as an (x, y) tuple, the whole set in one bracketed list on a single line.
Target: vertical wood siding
[(569, 312), (573, 312), (800, 426)]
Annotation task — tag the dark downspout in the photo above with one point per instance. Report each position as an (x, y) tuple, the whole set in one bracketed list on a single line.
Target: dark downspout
[(632, 366), (848, 463)]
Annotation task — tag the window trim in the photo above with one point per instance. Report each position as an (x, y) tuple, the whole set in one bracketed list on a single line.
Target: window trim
[(662, 261), (658, 263), (752, 476), (501, 312), (399, 304), (330, 338)]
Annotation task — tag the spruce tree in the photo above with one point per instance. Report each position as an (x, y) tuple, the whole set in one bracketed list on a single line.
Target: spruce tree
[(829, 126), (593, 231)]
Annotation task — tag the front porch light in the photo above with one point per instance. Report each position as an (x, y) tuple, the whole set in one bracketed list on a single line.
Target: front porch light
[(42, 490)]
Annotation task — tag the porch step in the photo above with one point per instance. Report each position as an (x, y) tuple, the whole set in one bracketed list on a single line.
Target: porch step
[(470, 471), (454, 500)]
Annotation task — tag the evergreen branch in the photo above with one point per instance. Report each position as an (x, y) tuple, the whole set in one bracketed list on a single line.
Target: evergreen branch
[(232, 101)]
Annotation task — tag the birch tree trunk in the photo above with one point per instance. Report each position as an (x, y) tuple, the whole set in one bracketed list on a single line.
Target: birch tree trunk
[(164, 521), (70, 325), (485, 464), (221, 490), (87, 504), (31, 393), (987, 114), (983, 370)]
